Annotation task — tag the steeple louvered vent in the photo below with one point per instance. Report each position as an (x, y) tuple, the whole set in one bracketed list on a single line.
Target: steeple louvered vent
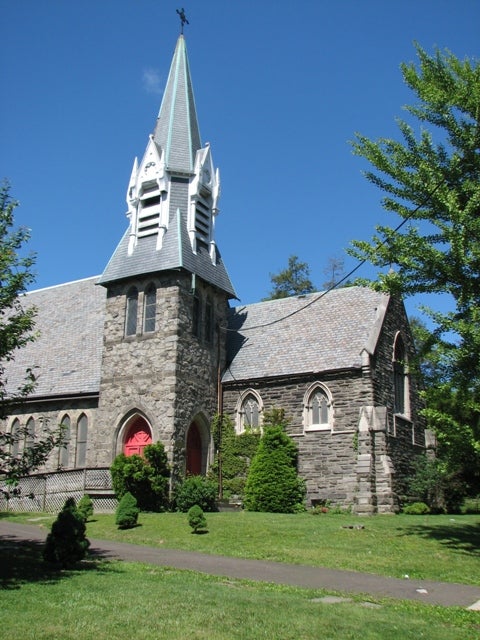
[(149, 210)]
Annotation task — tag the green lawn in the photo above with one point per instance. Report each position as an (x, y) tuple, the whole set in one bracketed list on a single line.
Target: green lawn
[(117, 600), (127, 600), (441, 547)]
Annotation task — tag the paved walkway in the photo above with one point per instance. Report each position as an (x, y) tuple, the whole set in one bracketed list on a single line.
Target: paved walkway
[(427, 591)]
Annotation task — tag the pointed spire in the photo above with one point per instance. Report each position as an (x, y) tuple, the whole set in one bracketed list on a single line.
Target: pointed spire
[(176, 130)]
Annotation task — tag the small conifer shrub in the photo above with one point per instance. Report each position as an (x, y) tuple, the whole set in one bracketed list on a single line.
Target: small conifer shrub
[(196, 519), (272, 483), (66, 543), (85, 507), (126, 515)]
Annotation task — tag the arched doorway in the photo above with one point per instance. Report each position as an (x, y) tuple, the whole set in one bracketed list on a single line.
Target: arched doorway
[(137, 436), (194, 451)]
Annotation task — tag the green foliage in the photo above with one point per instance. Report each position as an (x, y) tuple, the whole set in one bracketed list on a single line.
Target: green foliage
[(430, 180), (272, 483), (196, 490), (17, 322), (66, 543), (416, 509), (145, 477), (451, 413), (85, 507), (196, 519), (234, 453), (432, 483), (292, 281), (126, 514)]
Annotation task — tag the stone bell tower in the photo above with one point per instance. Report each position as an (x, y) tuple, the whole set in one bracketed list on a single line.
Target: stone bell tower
[(167, 295)]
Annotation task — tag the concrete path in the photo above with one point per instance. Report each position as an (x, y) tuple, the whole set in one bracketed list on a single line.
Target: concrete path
[(441, 593)]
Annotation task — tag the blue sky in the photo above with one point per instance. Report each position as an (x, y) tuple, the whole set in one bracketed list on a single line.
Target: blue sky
[(280, 87)]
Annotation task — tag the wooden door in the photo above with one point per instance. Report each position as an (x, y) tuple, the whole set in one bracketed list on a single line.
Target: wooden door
[(194, 451), (137, 438)]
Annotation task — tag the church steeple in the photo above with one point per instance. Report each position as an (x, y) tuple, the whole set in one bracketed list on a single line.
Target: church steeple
[(172, 195), (176, 131)]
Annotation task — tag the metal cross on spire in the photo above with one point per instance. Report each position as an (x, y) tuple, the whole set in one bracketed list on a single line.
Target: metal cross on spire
[(183, 18)]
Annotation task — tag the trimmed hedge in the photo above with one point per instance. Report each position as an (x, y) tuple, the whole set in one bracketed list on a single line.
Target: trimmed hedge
[(196, 490)]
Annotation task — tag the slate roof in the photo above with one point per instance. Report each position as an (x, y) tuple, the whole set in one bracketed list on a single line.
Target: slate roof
[(275, 338), (304, 334), (176, 130), (68, 349), (176, 253)]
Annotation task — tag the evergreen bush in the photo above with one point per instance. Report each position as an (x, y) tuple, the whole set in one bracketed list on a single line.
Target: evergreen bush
[(85, 507), (272, 483), (196, 490), (126, 514), (145, 477), (196, 519), (66, 543)]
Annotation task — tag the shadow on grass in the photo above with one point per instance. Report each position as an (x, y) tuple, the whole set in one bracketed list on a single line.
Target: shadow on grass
[(21, 562), (464, 538)]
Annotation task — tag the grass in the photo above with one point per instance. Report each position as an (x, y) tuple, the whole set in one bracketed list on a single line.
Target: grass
[(119, 600), (444, 548)]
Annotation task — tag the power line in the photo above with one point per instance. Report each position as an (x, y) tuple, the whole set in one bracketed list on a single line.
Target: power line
[(345, 277)]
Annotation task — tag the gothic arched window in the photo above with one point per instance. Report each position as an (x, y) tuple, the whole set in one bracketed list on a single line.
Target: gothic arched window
[(318, 414), (400, 377), (30, 433), (16, 435), (64, 453), (82, 436), (149, 308), (131, 312), (249, 412)]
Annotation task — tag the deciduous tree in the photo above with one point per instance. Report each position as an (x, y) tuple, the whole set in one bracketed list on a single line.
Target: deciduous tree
[(19, 453), (431, 180)]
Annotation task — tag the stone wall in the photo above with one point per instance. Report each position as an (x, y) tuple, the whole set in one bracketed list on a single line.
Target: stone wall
[(50, 414), (327, 458), (169, 376), (404, 434), (364, 459)]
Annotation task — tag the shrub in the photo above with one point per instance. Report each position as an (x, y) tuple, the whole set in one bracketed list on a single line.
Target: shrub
[(66, 543), (236, 452), (272, 483), (196, 490), (126, 515), (145, 477), (416, 509), (432, 484), (196, 519), (85, 507)]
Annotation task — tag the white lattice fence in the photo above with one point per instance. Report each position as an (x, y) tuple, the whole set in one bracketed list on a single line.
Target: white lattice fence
[(48, 492)]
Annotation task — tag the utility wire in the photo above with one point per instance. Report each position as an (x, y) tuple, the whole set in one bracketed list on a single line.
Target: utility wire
[(345, 277)]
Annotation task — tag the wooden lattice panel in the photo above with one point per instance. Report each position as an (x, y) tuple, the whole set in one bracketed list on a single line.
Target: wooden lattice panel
[(98, 479)]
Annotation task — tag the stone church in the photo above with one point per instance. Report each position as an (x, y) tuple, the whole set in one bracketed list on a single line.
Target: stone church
[(154, 347)]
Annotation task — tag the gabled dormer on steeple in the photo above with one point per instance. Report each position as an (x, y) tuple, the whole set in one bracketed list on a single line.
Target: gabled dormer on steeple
[(147, 199), (172, 196), (204, 193)]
